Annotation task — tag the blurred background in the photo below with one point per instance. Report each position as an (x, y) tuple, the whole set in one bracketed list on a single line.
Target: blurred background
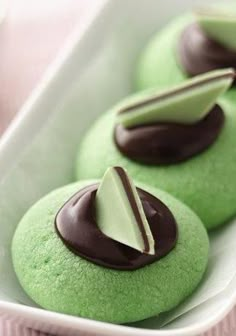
[(30, 39)]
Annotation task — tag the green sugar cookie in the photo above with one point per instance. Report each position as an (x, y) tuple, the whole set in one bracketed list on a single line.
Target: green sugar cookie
[(206, 182), (59, 280), (158, 64)]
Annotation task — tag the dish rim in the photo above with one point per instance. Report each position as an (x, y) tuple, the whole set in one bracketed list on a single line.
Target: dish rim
[(14, 138)]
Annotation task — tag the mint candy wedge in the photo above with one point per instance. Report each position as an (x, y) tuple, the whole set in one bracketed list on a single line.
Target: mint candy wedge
[(119, 212), (186, 103)]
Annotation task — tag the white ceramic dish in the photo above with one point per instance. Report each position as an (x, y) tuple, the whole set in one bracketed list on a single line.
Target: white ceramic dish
[(37, 152)]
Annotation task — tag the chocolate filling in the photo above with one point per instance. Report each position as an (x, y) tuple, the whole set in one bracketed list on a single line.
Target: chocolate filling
[(76, 225), (169, 143), (198, 53)]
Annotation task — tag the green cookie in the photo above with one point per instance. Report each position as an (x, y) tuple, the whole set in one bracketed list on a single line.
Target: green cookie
[(205, 182), (59, 280), (158, 65)]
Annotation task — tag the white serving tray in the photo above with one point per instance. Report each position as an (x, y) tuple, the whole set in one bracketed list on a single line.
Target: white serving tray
[(37, 152)]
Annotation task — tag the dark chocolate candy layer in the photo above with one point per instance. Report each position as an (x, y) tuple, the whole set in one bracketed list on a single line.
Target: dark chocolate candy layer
[(198, 53), (169, 143), (76, 225)]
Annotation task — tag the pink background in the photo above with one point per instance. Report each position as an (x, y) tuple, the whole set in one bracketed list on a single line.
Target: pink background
[(30, 38)]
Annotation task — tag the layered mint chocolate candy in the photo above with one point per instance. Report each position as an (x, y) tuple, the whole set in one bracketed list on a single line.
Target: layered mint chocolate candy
[(129, 226), (181, 139), (186, 103)]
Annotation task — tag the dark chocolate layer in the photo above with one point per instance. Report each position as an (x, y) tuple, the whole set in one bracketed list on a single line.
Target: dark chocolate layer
[(76, 225), (198, 53), (169, 143)]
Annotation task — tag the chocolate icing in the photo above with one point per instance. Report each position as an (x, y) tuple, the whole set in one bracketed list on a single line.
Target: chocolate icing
[(169, 143), (198, 53), (76, 225)]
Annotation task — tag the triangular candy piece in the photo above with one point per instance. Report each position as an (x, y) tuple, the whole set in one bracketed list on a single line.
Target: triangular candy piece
[(120, 214), (186, 103)]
